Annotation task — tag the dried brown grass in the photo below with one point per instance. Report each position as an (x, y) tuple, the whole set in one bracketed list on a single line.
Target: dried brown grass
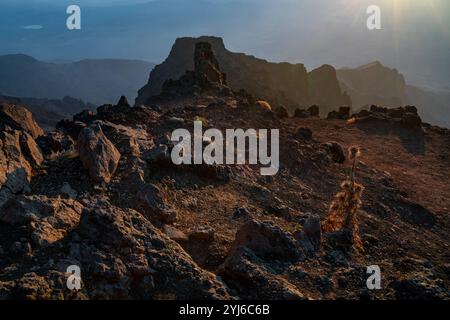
[(343, 211)]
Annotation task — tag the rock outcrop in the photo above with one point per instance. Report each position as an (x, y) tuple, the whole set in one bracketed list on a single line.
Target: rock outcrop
[(19, 118), (278, 83), (19, 152)]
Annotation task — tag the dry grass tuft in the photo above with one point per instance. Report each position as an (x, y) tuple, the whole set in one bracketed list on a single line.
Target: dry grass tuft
[(344, 207)]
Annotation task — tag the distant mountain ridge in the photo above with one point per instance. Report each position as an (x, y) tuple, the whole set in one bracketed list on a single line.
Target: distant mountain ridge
[(279, 83), (48, 112), (374, 83), (95, 81)]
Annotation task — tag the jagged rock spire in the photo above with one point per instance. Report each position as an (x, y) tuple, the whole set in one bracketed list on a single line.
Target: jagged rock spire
[(205, 62)]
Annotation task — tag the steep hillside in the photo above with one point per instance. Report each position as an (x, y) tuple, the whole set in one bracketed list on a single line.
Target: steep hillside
[(95, 81)]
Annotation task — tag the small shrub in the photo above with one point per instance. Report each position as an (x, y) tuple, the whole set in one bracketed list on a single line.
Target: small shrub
[(344, 207)]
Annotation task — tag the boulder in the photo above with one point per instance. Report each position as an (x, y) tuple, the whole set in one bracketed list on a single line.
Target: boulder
[(175, 234), (304, 133), (154, 205), (48, 220), (129, 141), (98, 155), (19, 118), (15, 170), (310, 237), (342, 114), (336, 151), (333, 115), (30, 149), (314, 110), (300, 113), (267, 241), (202, 233), (248, 273), (281, 112)]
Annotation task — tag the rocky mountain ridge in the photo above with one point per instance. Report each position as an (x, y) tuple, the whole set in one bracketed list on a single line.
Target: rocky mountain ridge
[(279, 83), (374, 83)]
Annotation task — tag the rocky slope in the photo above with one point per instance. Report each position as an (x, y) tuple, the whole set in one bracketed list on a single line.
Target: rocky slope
[(102, 193), (278, 83)]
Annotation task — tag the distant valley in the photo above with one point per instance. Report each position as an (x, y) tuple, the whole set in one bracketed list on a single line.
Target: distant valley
[(94, 81)]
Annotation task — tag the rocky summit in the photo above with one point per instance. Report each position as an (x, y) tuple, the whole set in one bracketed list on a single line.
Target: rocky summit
[(285, 84), (100, 193)]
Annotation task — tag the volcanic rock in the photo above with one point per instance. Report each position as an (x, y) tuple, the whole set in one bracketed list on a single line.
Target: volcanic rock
[(19, 118), (98, 155)]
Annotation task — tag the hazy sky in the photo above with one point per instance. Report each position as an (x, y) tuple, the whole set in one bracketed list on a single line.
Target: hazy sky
[(415, 35)]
